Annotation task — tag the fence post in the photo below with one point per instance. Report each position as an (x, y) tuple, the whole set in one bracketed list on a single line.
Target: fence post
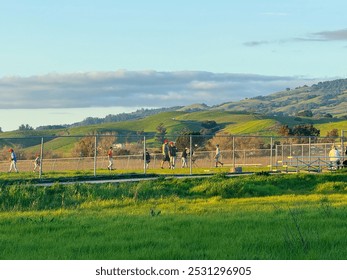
[(342, 145), (95, 153), (297, 165), (325, 152), (276, 156), (309, 150), (144, 155), (190, 154), (234, 160), (41, 158), (271, 153)]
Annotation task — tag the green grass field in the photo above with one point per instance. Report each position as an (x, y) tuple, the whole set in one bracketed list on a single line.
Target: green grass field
[(255, 217)]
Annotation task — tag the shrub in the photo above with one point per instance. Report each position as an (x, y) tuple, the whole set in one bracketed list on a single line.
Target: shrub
[(332, 187)]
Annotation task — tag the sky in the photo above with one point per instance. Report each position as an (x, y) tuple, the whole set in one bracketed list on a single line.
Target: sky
[(63, 61)]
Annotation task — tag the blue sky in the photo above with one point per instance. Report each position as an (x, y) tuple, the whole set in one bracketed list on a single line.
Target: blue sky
[(66, 55)]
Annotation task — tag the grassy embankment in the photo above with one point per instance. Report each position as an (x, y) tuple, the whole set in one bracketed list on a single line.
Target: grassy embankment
[(256, 217)]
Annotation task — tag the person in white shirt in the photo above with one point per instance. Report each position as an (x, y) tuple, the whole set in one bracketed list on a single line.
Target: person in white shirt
[(217, 156), (334, 157)]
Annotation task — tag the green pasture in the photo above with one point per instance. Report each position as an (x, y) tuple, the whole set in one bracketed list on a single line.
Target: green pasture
[(301, 216), (328, 126), (256, 127)]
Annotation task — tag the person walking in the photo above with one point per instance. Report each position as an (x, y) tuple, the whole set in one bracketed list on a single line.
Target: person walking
[(217, 156), (147, 158), (172, 154), (110, 158), (37, 162), (13, 159), (165, 153), (184, 158)]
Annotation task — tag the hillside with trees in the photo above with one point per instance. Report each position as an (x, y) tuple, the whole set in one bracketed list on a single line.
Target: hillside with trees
[(325, 99)]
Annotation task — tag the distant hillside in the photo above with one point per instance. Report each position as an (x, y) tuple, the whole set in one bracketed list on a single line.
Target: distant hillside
[(139, 114), (322, 99), (325, 99), (194, 108)]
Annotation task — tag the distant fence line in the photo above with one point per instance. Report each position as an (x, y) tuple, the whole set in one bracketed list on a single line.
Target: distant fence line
[(236, 151)]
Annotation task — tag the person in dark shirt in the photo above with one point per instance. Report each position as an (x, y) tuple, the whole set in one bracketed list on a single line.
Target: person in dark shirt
[(172, 154), (147, 158), (184, 158), (165, 153)]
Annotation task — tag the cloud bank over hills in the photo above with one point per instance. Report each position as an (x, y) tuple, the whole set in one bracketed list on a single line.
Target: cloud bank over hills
[(137, 89)]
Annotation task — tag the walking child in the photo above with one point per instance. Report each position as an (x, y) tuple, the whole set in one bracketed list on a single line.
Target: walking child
[(110, 158), (13, 159)]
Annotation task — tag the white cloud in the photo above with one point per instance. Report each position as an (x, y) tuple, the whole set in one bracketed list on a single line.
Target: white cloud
[(136, 89), (199, 85)]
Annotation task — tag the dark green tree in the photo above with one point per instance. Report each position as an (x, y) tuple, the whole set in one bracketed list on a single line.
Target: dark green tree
[(25, 127), (305, 113), (183, 140), (161, 133), (305, 130)]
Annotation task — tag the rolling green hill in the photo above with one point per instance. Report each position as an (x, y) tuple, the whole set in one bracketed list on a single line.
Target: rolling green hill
[(323, 98), (260, 115)]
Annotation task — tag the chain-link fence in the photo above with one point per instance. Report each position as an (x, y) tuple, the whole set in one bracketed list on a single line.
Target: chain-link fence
[(88, 153)]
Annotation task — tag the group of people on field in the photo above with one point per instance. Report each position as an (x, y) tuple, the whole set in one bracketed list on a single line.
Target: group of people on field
[(169, 153), (146, 157), (13, 160)]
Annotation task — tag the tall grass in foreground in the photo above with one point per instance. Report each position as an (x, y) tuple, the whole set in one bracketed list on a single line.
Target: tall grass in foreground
[(257, 217), (285, 227)]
